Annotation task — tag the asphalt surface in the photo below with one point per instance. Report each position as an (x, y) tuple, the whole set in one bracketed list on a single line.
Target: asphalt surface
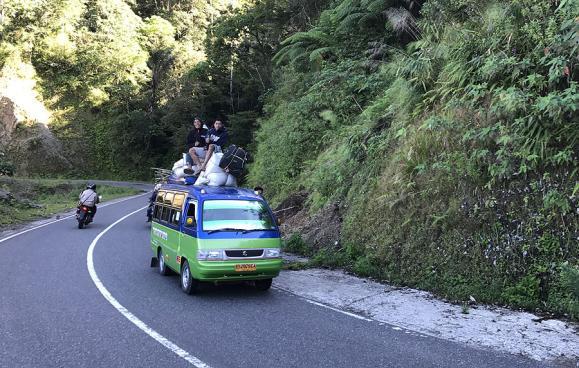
[(52, 315)]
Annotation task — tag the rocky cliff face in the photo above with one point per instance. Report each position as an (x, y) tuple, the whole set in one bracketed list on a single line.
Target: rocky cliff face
[(8, 120), (24, 133)]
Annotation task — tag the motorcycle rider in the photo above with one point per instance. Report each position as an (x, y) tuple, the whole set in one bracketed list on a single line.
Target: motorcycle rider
[(89, 198)]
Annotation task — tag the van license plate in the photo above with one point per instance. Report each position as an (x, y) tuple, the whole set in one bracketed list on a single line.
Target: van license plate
[(245, 267)]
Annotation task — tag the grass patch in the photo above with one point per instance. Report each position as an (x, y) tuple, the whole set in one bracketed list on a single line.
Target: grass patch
[(25, 200)]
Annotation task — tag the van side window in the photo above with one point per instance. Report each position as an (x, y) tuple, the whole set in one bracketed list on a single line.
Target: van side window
[(191, 210), (191, 213), (159, 212), (178, 201), (169, 199), (166, 214), (160, 196), (156, 212), (176, 216)]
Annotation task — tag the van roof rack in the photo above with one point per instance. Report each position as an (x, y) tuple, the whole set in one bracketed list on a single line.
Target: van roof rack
[(161, 175)]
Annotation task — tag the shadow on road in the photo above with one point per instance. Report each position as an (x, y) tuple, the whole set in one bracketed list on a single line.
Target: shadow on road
[(241, 290)]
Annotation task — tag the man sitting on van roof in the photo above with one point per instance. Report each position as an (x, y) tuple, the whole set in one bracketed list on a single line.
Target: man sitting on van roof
[(196, 145), (216, 139)]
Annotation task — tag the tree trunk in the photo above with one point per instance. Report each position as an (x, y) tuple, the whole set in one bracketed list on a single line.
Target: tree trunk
[(231, 87)]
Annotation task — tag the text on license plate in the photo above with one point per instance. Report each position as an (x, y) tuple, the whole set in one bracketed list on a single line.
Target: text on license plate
[(245, 267)]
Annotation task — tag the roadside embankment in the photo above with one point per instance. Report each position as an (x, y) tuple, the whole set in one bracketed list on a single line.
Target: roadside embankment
[(447, 163)]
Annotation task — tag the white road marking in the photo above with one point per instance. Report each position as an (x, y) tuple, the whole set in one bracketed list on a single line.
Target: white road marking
[(339, 310), (325, 306), (125, 312), (67, 217)]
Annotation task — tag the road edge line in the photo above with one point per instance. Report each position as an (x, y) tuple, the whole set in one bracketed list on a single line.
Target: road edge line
[(339, 310), (125, 312), (307, 300)]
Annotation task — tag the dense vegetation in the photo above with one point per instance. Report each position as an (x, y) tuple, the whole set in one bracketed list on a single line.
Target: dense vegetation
[(124, 79), (448, 135), (444, 131)]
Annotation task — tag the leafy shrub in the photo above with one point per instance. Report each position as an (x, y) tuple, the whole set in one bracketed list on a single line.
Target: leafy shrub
[(295, 244), (6, 167)]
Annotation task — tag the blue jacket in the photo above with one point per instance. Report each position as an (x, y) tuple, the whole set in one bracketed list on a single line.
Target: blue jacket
[(217, 137)]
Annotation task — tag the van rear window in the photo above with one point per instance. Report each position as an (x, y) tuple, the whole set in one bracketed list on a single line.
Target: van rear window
[(236, 214)]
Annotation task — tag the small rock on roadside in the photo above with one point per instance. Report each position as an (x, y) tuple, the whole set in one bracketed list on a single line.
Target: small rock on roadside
[(5, 195)]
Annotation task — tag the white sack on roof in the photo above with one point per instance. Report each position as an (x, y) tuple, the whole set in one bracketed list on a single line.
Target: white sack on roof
[(231, 181), (217, 179), (213, 164)]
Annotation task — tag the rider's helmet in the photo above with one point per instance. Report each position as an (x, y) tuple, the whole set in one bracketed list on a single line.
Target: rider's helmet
[(91, 186)]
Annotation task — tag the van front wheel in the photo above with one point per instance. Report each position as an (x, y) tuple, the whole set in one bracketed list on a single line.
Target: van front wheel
[(188, 284), (263, 285)]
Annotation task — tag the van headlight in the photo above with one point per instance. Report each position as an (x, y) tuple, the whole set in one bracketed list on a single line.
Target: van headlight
[(272, 253), (210, 255)]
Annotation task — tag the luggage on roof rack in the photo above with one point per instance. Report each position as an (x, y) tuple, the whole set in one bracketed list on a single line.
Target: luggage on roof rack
[(234, 160), (213, 175)]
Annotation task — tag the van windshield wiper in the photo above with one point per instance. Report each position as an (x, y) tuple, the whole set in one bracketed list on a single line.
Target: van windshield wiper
[(224, 229), (250, 230)]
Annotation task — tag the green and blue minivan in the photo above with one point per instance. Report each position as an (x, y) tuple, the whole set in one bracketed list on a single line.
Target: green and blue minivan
[(214, 234)]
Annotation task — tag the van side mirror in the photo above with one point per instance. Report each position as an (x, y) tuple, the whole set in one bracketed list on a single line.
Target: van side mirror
[(190, 221)]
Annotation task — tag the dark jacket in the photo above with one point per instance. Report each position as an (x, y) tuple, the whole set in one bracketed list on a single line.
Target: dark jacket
[(218, 137), (197, 135), (153, 197)]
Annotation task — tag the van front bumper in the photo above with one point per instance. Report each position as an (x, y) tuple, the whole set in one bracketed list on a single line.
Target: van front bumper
[(225, 270)]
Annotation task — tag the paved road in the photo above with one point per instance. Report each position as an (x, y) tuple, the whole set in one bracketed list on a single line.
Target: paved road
[(52, 314)]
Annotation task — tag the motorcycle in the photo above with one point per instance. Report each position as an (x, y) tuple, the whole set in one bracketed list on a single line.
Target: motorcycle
[(84, 216)]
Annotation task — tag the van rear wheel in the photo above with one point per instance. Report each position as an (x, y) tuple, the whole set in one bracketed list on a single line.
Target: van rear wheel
[(188, 284), (163, 269), (263, 285)]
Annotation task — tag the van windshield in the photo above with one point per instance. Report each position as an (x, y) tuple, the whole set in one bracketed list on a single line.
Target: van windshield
[(231, 215)]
